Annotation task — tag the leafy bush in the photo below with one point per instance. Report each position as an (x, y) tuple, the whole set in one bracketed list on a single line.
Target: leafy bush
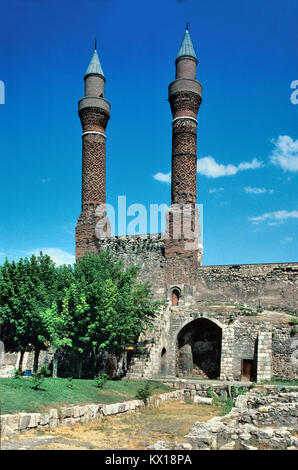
[(143, 393), (225, 405), (252, 385), (45, 371), (236, 391), (69, 383), (37, 380), (17, 374), (100, 380), (294, 330)]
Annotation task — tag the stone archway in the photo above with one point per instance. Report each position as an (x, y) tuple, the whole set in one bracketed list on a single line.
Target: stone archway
[(175, 297), (199, 349), (163, 362)]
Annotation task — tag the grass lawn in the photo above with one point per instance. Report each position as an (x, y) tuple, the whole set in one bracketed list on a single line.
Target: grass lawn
[(171, 421), (277, 381), (16, 395)]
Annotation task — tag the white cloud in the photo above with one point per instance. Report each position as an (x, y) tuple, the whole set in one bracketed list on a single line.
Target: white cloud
[(275, 218), (58, 256), (216, 190), (285, 153), (207, 166), (257, 191), (45, 180), (163, 177), (286, 240)]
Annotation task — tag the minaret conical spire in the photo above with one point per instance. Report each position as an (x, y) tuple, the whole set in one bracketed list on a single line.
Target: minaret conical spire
[(94, 113), (183, 247), (186, 48), (94, 66)]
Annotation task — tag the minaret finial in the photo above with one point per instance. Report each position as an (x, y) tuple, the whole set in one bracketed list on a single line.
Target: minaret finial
[(95, 44), (186, 48)]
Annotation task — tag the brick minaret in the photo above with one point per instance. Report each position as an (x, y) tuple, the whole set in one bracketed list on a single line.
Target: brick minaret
[(94, 112), (183, 248)]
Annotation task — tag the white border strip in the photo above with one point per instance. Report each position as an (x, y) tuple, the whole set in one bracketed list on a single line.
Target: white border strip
[(185, 117), (94, 132)]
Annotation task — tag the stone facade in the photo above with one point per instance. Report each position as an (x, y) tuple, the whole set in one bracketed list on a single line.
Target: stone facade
[(263, 419), (232, 342), (146, 251), (273, 286), (71, 415), (264, 355), (264, 340)]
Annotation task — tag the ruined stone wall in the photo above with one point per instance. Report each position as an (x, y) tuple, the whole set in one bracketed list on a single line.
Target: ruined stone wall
[(267, 285), (265, 339), (284, 344), (10, 424), (147, 251), (245, 344), (155, 345), (272, 286), (265, 418)]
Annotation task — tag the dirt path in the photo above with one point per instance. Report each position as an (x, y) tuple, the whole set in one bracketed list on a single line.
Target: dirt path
[(169, 422)]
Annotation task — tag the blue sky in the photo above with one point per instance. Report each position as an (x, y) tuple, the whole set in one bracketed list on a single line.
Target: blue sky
[(247, 131)]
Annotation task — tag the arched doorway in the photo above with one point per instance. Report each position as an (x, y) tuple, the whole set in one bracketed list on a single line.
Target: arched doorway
[(175, 297), (199, 349), (163, 362)]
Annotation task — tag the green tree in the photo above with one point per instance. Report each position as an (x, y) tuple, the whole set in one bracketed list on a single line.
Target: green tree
[(95, 306), (68, 323), (27, 288), (119, 307)]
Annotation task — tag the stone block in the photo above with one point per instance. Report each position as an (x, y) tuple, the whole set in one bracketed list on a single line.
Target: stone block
[(53, 423), (6, 431), (186, 446), (69, 421), (67, 412), (228, 446), (34, 420), (76, 411), (204, 400), (53, 413), (110, 409), (44, 419), (12, 421), (93, 409), (24, 421)]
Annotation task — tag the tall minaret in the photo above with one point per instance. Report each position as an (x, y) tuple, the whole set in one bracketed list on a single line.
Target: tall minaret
[(94, 112), (184, 251)]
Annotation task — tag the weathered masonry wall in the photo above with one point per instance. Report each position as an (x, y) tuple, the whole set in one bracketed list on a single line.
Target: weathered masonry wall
[(147, 251), (245, 347), (265, 342), (71, 415), (284, 345), (264, 418), (271, 286)]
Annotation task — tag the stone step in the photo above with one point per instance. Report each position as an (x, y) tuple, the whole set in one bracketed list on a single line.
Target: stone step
[(7, 371)]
